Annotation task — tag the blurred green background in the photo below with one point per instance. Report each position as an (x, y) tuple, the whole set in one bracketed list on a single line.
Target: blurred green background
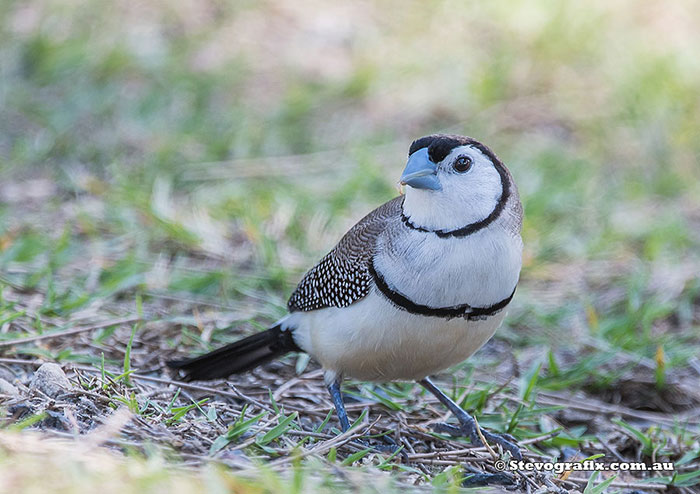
[(211, 151)]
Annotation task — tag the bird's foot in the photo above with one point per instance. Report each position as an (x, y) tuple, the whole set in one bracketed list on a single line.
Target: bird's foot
[(471, 430)]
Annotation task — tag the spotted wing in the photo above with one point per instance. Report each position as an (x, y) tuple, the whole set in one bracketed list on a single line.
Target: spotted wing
[(342, 277)]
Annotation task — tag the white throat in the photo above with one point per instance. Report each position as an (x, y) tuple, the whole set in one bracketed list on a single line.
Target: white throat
[(461, 201)]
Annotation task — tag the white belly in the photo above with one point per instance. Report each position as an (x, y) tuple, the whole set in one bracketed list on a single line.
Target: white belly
[(372, 340)]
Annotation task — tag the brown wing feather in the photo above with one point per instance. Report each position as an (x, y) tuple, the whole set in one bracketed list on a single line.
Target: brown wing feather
[(342, 277)]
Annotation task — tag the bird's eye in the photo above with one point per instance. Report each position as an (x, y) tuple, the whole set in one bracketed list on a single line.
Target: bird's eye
[(463, 163)]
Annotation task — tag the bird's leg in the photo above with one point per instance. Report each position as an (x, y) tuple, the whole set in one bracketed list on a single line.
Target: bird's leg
[(337, 396), (468, 426)]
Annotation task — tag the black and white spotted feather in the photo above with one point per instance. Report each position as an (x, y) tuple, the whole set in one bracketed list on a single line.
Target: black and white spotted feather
[(343, 276)]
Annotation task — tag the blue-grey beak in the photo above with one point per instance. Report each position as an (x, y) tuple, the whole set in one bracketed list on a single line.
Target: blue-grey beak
[(420, 172)]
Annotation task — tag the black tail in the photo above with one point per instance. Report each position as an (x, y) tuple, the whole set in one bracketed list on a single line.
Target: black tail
[(239, 356)]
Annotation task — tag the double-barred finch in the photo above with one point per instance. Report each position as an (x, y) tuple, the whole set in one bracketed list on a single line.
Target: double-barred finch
[(416, 286)]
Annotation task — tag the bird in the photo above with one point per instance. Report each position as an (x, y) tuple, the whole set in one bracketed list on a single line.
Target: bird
[(416, 286)]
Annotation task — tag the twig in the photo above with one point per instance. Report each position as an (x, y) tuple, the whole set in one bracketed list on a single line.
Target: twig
[(249, 399), (483, 440), (19, 361), (59, 334), (450, 453), (537, 439), (282, 389)]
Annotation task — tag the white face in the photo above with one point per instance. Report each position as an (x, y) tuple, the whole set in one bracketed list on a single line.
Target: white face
[(470, 187)]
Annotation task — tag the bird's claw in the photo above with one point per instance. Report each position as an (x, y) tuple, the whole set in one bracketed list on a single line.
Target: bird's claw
[(469, 429)]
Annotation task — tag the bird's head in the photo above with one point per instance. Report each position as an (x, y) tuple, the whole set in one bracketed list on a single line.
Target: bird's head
[(452, 181)]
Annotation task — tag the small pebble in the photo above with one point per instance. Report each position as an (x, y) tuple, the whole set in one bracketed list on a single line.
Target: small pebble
[(7, 388), (50, 380)]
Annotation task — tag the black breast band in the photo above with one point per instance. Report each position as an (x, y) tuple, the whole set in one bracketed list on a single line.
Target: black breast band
[(464, 311)]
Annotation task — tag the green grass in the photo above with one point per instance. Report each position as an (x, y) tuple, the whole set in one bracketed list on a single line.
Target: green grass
[(190, 162)]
